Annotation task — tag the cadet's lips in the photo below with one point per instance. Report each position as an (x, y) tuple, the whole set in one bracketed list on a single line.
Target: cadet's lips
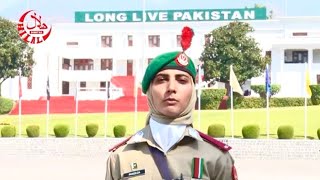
[(171, 101)]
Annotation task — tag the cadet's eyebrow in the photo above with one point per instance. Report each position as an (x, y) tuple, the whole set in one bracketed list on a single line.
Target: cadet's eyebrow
[(162, 74)]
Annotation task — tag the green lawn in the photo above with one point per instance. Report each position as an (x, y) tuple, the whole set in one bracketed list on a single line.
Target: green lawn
[(278, 116)]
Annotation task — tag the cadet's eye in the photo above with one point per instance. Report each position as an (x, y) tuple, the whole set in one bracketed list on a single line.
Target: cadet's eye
[(183, 80), (159, 79)]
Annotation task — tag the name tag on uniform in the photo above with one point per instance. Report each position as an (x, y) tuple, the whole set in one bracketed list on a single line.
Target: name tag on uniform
[(134, 173)]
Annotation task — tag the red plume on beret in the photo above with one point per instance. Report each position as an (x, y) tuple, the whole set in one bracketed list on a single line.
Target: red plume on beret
[(186, 37)]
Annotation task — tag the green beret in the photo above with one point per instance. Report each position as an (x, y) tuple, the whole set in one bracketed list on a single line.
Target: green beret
[(167, 61)]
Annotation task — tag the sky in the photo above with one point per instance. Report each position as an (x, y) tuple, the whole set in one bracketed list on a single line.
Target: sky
[(63, 10)]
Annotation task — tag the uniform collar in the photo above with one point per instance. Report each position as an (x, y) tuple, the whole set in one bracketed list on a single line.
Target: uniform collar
[(144, 135)]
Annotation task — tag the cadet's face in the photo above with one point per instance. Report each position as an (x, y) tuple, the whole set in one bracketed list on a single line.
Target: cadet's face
[(171, 91)]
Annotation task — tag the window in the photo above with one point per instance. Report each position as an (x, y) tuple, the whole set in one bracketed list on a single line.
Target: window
[(106, 64), (149, 60), (83, 84), (102, 85), (318, 79), (29, 82), (300, 56), (83, 64), (72, 43), (130, 41), (66, 64), (154, 41), (296, 56), (300, 34), (106, 41), (268, 54), (178, 40)]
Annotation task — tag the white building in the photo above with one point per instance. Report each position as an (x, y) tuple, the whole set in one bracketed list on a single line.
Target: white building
[(81, 52)]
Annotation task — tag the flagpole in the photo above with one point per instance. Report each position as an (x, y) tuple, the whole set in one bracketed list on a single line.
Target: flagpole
[(20, 95), (267, 99), (234, 86), (305, 101), (268, 116), (232, 115), (199, 97), (47, 119), (48, 97), (76, 119), (106, 109)]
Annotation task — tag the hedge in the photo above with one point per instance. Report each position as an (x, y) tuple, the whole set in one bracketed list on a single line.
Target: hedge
[(315, 97), (5, 105), (33, 131), (254, 102), (251, 131), (92, 129), (217, 130), (285, 132), (211, 98), (61, 130), (261, 90), (119, 131), (8, 131)]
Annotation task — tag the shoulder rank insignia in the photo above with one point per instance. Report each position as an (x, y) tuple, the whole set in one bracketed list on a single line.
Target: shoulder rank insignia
[(216, 143), (119, 144)]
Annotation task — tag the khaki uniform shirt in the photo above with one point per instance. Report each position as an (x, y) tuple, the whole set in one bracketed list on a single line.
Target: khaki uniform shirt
[(134, 155)]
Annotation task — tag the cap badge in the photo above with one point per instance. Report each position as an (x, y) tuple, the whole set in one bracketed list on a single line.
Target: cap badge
[(182, 59)]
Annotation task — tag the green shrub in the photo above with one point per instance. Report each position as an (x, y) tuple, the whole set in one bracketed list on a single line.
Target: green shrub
[(5, 105), (8, 131), (254, 102), (217, 130), (92, 129), (33, 131), (315, 97), (211, 98), (261, 90), (61, 130), (286, 102), (119, 131), (251, 131), (237, 99), (248, 103), (285, 132), (318, 133)]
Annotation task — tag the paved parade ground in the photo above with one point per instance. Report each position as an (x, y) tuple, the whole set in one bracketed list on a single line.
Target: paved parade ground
[(83, 159)]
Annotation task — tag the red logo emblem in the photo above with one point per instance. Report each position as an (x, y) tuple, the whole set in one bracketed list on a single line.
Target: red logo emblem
[(182, 59), (32, 29)]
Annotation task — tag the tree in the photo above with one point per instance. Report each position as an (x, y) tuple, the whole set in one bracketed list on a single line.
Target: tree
[(232, 45), (14, 52)]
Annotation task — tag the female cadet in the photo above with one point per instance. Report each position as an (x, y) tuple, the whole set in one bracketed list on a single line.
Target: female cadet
[(169, 147)]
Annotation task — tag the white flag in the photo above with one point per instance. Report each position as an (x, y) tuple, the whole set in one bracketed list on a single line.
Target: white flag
[(234, 83)]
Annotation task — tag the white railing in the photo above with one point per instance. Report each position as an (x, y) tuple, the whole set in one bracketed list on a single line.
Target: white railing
[(85, 75), (98, 93)]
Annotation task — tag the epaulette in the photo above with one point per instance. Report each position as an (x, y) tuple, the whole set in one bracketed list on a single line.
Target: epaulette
[(119, 144), (222, 146)]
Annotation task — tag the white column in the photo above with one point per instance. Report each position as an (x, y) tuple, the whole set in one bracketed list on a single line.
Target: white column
[(282, 58)]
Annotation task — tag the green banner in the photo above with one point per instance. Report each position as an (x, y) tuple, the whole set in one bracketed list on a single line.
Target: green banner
[(171, 15)]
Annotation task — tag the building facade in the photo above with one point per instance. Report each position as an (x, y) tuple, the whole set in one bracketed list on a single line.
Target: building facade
[(83, 57)]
